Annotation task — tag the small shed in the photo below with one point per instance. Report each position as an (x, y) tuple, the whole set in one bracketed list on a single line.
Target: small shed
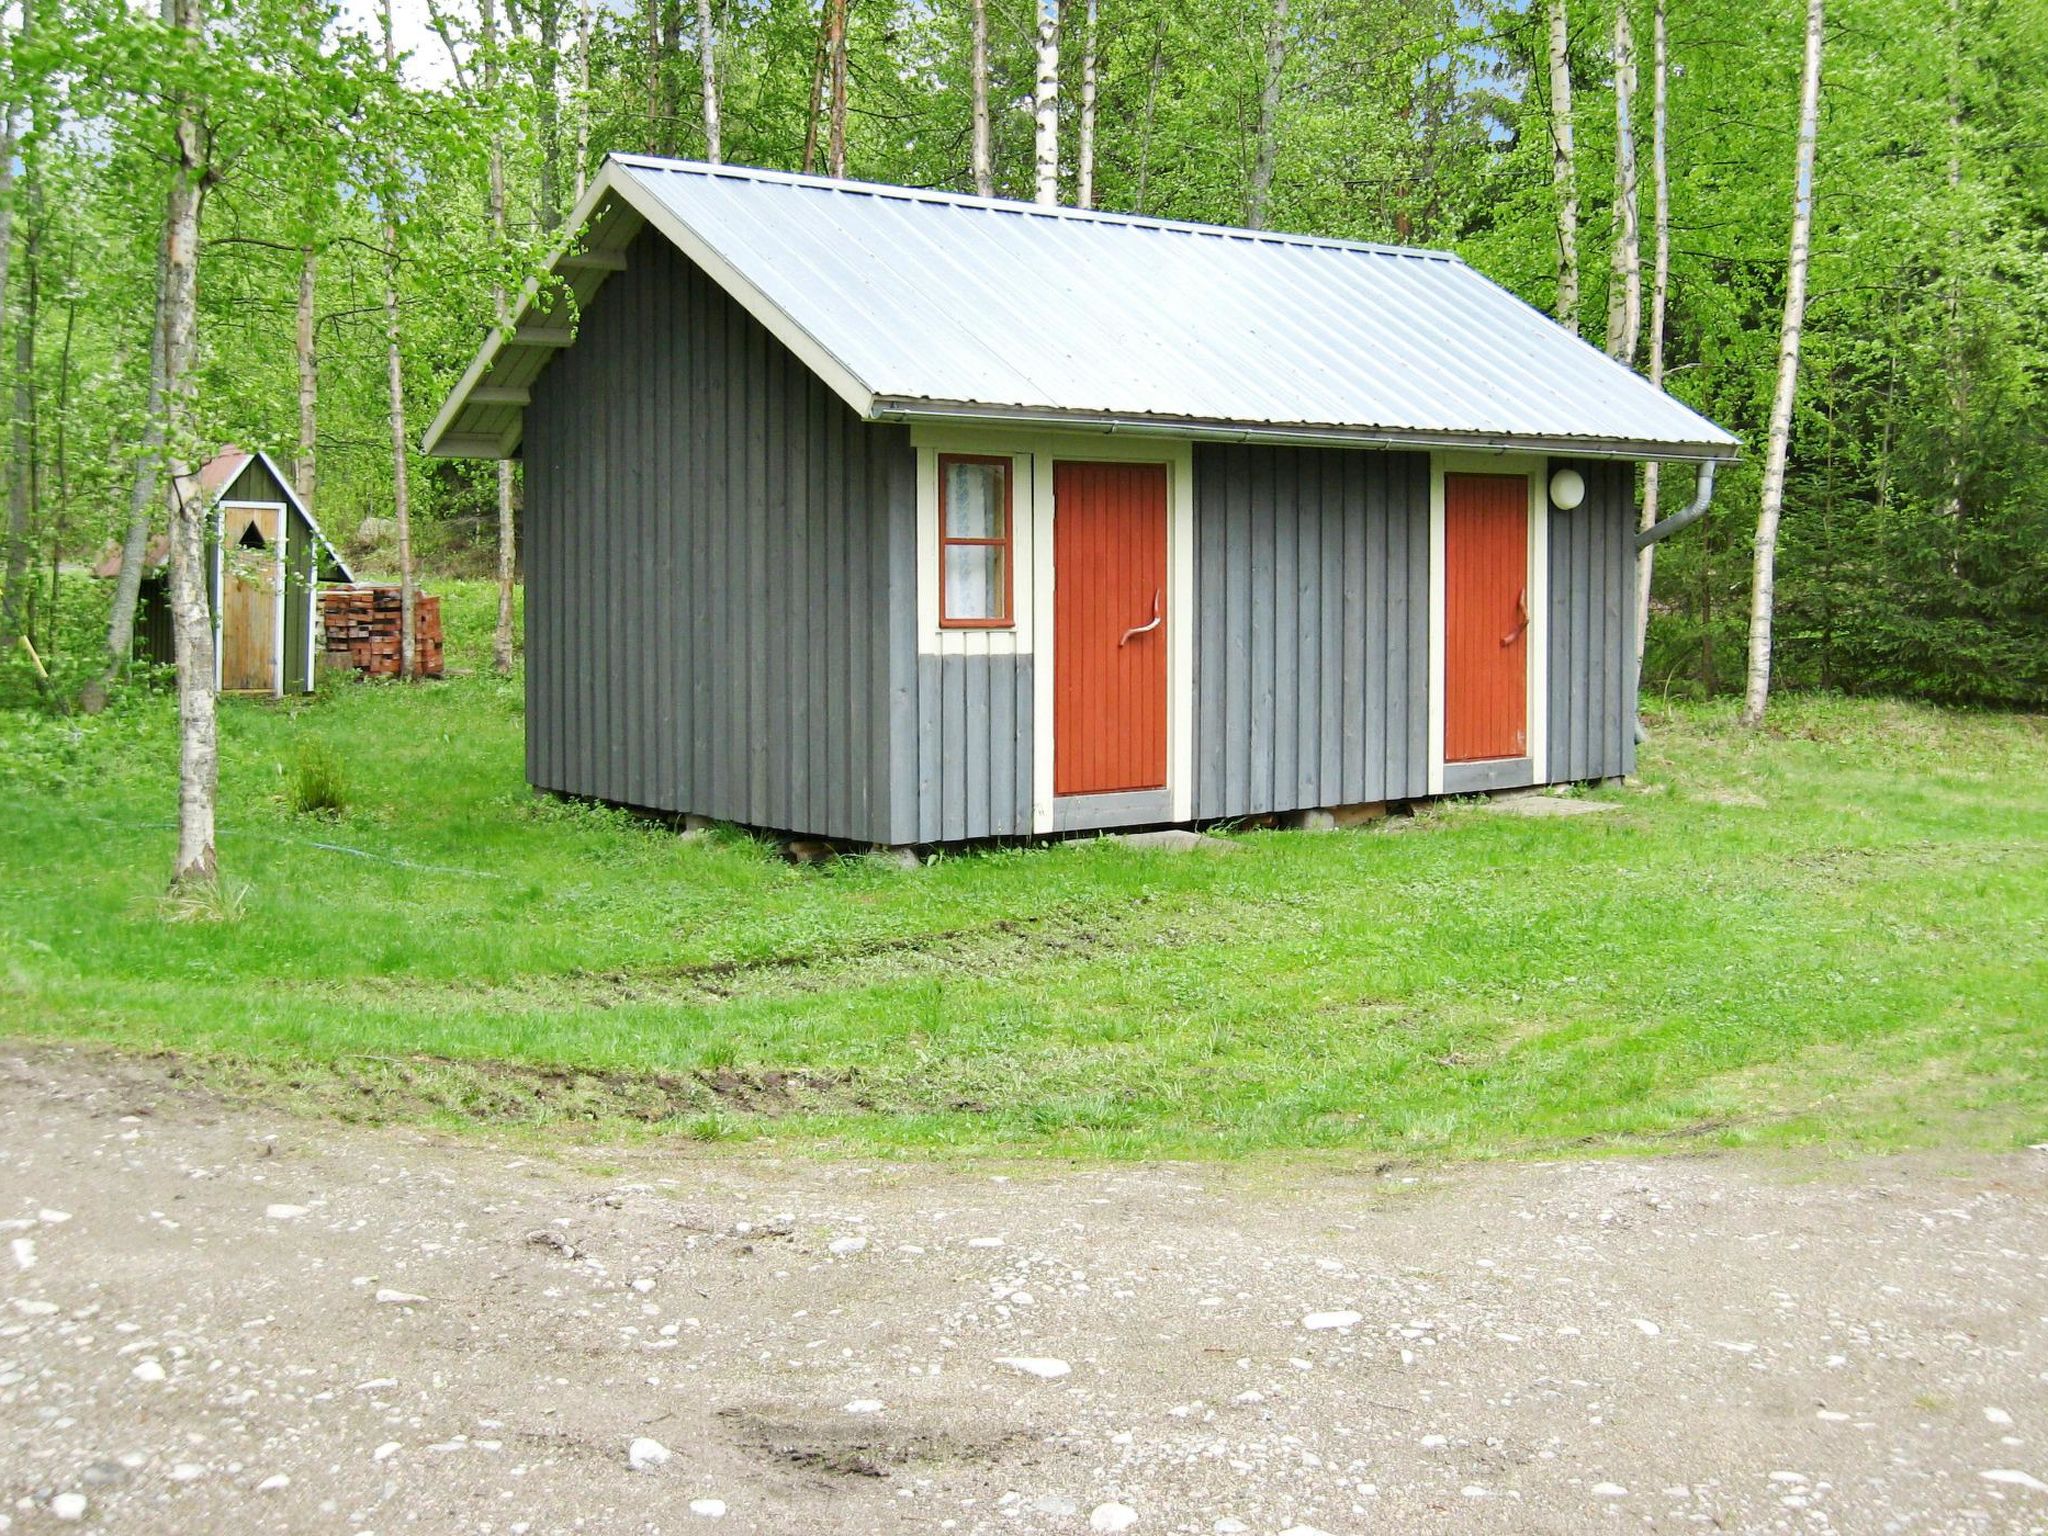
[(904, 517), (266, 559)]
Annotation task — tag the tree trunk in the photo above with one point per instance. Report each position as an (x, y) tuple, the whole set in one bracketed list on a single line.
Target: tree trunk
[(1660, 288), (142, 495), (1153, 71), (707, 60), (309, 377), (984, 170), (1625, 285), (401, 500), (654, 77), (501, 637), (820, 60), (21, 463), (836, 151), (192, 623), (582, 99), (1046, 104), (1084, 174), (1763, 581), (1267, 149), (1563, 169), (21, 460), (548, 185)]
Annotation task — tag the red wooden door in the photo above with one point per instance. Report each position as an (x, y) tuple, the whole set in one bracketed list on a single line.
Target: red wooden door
[(1109, 627), (1486, 617)]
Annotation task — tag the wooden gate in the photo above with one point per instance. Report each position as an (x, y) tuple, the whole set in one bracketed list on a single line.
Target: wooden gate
[(1486, 617), (1109, 627), (251, 575)]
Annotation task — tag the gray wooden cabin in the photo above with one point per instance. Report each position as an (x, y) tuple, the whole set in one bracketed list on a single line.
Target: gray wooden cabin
[(265, 560), (901, 517)]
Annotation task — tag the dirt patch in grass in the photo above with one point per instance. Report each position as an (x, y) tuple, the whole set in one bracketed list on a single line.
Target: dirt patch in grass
[(379, 1089)]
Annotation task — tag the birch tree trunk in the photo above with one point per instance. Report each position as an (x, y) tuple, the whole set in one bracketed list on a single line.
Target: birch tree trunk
[(191, 623), (143, 491), (1267, 149), (1625, 286), (835, 152), (707, 61), (1660, 288), (1763, 580), (1046, 104), (1153, 71), (501, 637), (820, 62), (401, 500), (303, 467), (984, 171), (1084, 174), (1563, 168), (21, 457), (654, 77), (582, 99)]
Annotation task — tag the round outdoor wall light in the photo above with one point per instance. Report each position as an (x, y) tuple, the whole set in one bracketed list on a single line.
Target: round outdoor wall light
[(1567, 490)]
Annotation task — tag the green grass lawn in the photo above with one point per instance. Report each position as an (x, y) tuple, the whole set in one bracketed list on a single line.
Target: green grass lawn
[(1836, 930)]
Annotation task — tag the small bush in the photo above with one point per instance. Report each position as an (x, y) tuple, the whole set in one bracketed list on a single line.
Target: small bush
[(317, 786)]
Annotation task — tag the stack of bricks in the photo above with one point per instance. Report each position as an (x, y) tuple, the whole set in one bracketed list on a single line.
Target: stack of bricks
[(362, 627)]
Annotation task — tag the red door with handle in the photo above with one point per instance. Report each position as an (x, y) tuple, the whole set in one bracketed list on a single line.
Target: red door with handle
[(1486, 617), (1109, 627)]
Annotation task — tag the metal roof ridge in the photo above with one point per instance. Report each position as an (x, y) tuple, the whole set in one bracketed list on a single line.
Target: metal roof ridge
[(1057, 212)]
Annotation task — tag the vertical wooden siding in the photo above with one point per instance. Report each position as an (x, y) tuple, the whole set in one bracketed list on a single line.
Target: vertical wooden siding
[(720, 572), (1592, 608), (971, 773), (1312, 639)]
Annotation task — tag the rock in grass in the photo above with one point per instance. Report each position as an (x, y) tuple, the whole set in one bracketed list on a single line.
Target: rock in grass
[(1112, 1517), (645, 1455), (845, 1246), (1043, 1367)]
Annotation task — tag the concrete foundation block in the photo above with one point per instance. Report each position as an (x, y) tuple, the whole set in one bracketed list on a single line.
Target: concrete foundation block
[(1174, 840)]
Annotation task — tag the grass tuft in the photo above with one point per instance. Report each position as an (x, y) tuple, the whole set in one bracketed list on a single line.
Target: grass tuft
[(317, 785)]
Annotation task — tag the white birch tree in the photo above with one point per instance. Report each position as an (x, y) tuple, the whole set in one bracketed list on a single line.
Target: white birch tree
[(1266, 147), (1084, 171), (1660, 288), (707, 64), (394, 360), (196, 864), (1763, 578), (1046, 104), (984, 169), (1563, 167), (1625, 266)]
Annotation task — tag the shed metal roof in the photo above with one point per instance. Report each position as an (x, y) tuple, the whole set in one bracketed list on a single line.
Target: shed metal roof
[(916, 305)]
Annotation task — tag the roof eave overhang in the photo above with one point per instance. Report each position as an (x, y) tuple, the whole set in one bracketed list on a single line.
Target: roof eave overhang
[(965, 413), (615, 183)]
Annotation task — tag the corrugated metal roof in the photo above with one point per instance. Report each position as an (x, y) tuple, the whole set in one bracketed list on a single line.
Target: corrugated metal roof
[(933, 304)]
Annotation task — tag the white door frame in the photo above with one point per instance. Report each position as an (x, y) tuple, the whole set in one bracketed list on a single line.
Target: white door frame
[(1537, 468), (1032, 454)]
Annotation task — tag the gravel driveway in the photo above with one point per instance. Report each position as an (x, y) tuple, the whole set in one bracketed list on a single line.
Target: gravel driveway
[(225, 1319)]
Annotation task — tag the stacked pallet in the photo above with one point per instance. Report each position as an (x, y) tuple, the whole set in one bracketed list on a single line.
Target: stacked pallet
[(362, 627)]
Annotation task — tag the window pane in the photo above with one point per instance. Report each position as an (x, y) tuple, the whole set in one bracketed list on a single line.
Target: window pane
[(974, 582), (974, 501)]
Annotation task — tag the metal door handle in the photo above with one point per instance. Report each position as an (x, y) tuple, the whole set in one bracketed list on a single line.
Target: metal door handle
[(1143, 629), (1521, 618)]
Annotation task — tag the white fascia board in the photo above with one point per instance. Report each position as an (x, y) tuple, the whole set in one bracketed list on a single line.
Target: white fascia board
[(616, 180)]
